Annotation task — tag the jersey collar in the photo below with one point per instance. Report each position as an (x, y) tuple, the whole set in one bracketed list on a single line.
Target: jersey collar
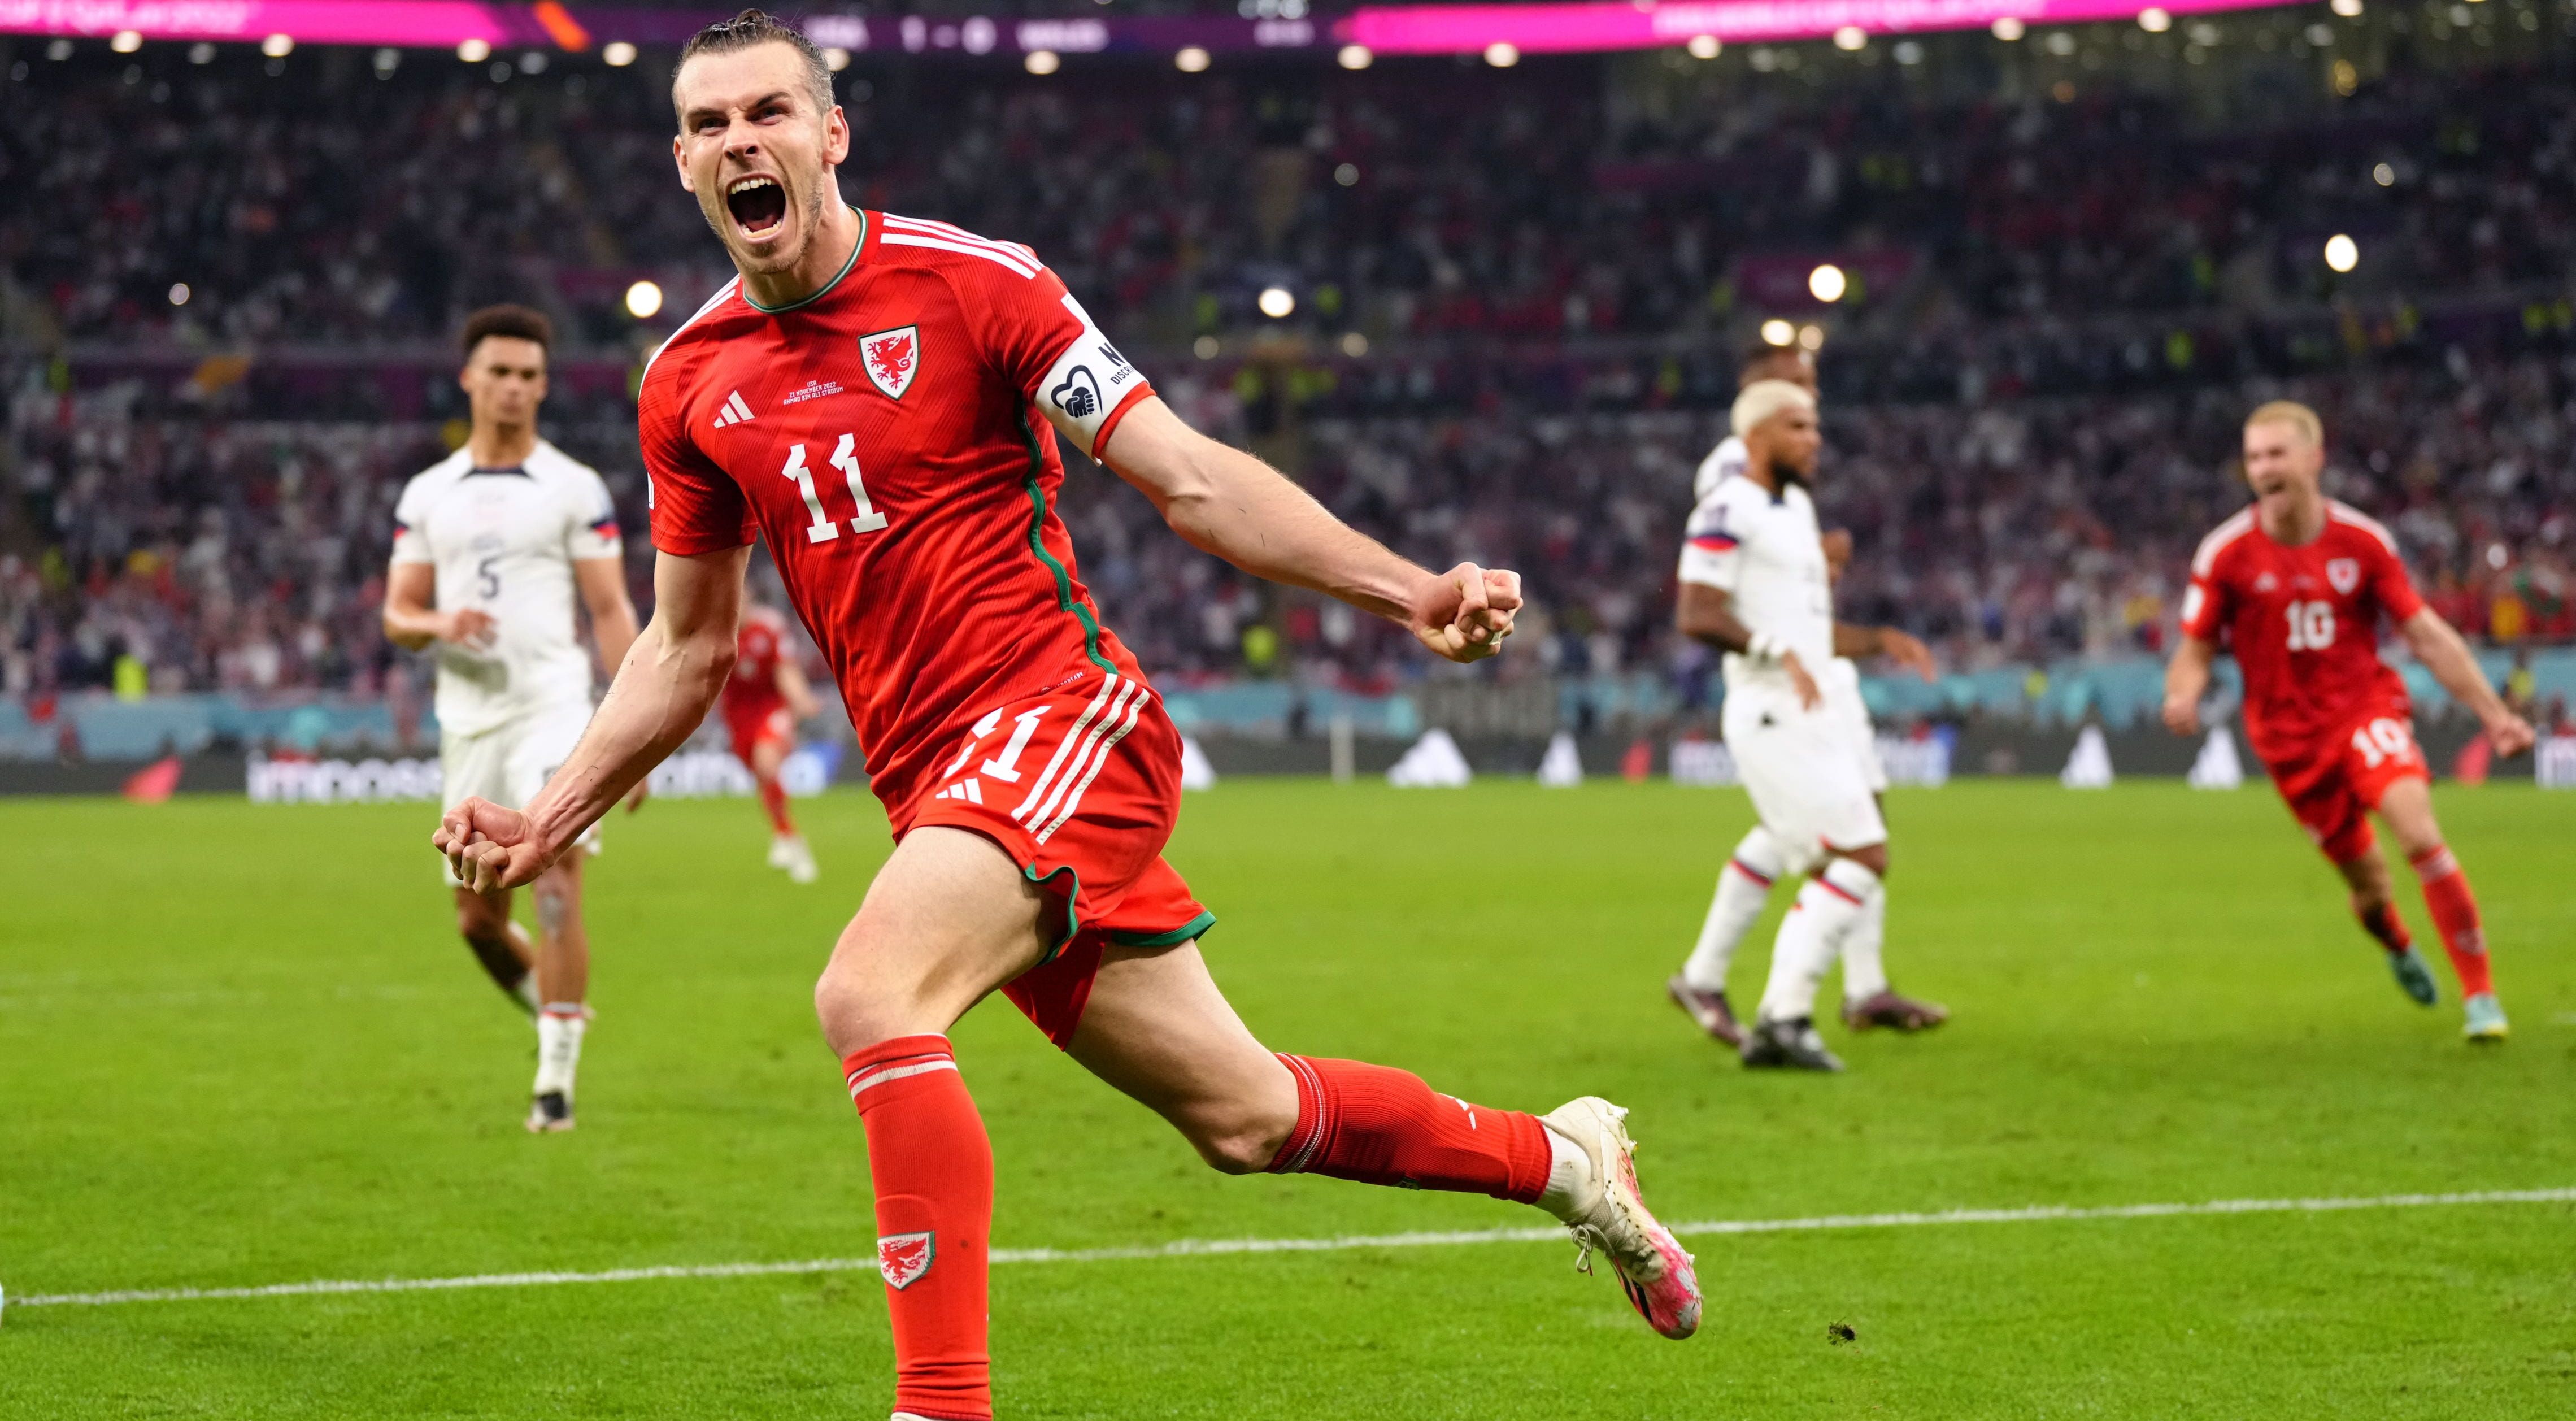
[(825, 289)]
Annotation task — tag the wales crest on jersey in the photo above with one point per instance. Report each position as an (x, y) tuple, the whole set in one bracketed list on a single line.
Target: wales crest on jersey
[(893, 358)]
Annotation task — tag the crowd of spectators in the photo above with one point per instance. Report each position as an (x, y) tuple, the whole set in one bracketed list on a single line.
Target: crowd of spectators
[(2029, 423), (250, 555), (342, 201)]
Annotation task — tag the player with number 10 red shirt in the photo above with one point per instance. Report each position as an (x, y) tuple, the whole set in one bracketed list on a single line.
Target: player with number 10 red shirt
[(2295, 586), (881, 399)]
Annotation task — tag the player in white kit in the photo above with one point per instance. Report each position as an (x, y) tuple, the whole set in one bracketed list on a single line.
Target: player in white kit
[(491, 546), (1755, 584)]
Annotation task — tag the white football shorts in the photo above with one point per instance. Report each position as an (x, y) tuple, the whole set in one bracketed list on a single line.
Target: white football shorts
[(1841, 685), (1805, 773), (510, 762)]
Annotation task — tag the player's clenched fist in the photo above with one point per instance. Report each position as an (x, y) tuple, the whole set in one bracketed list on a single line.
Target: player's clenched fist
[(2182, 714), (1465, 613), (489, 847)]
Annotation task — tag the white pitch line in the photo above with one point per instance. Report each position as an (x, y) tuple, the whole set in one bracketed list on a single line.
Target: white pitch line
[(1196, 1248)]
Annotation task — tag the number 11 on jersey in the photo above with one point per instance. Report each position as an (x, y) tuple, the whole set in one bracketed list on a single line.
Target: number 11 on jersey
[(824, 528)]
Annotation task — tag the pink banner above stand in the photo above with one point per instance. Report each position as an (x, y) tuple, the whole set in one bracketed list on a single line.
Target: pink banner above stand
[(1543, 29)]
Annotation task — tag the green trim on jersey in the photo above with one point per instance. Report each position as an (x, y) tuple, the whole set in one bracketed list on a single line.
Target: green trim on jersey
[(1037, 544), (826, 289), (1194, 928)]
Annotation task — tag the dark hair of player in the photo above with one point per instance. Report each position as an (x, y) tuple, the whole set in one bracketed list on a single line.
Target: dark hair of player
[(1761, 362), (757, 27), (515, 322)]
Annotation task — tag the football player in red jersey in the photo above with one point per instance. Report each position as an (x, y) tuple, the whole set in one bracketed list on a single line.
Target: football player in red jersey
[(763, 700), (2295, 586), (880, 398)]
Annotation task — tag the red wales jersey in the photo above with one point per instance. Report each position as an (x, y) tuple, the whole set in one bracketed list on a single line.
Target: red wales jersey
[(757, 648), (2304, 625), (888, 437)]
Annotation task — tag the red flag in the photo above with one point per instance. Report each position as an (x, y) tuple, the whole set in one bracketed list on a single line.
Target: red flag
[(155, 782), (1638, 763)]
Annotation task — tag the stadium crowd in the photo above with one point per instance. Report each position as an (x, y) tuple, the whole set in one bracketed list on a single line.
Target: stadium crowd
[(1554, 285), (331, 204), (250, 555)]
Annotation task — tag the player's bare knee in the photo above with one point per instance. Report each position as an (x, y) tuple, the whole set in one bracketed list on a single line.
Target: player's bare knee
[(1238, 1143), (859, 1009)]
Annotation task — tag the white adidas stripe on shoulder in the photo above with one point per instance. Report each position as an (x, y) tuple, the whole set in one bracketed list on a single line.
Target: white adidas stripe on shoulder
[(990, 254), (938, 228), (712, 302), (2218, 539), (2350, 516), (939, 236)]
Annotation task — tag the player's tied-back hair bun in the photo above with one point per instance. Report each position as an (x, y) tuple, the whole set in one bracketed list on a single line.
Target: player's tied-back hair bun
[(757, 27), (1763, 399)]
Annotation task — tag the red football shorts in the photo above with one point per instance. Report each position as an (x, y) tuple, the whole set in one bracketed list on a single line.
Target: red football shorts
[(757, 721), (2339, 780), (1081, 787)]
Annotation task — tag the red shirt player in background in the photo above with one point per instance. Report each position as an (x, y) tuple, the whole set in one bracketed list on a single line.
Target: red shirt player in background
[(2296, 586), (763, 700), (880, 398)]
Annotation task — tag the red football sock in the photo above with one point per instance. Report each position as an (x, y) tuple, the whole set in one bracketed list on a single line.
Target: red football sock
[(2455, 916), (773, 797), (1383, 1126), (2383, 923), (933, 1169)]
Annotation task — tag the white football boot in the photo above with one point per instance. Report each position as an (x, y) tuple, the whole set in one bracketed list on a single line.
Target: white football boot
[(788, 851), (1611, 1217)]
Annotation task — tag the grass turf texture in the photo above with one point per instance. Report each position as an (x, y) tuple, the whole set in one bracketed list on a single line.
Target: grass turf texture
[(242, 1045)]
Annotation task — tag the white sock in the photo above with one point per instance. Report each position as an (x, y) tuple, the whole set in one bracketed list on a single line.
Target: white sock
[(1569, 1179), (559, 1029), (1743, 886), (1812, 936), (1864, 976)]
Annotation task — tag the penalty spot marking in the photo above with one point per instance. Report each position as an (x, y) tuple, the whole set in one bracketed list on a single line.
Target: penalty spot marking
[(1201, 1248)]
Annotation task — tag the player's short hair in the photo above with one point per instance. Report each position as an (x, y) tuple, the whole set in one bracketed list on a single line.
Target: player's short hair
[(516, 322), (744, 31), (1764, 398), (2292, 413), (1760, 358)]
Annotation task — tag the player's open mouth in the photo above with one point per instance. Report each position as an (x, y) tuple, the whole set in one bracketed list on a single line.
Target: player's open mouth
[(758, 205)]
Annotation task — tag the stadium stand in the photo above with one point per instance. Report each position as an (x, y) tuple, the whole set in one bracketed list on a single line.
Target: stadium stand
[(1515, 332)]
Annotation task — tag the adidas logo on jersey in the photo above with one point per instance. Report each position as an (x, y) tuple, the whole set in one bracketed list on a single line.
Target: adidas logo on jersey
[(734, 411)]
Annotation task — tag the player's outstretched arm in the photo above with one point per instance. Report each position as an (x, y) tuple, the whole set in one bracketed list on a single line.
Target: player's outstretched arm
[(671, 674), (1897, 645), (2186, 681), (1226, 502), (2443, 653), (411, 623)]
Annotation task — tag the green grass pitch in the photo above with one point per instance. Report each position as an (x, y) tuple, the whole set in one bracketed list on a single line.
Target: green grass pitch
[(242, 1046)]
